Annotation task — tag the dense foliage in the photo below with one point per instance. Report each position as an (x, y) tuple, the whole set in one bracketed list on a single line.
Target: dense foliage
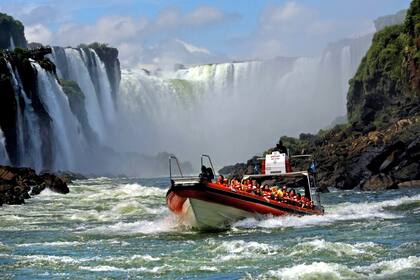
[(387, 78), (11, 28)]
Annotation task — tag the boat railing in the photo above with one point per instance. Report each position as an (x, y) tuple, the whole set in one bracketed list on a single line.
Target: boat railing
[(209, 159), (181, 178), (172, 157)]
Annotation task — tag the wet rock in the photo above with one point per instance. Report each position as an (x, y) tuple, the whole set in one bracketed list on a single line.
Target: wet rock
[(409, 184), (54, 183), (18, 184), (407, 172), (67, 176), (379, 182), (387, 157)]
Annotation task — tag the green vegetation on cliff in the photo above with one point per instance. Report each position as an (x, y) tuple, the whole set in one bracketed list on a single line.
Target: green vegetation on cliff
[(11, 28), (387, 79)]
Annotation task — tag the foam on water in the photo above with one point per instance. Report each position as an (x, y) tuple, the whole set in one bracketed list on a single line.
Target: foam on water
[(240, 249), (52, 244), (338, 248), (339, 212), (323, 270), (164, 224)]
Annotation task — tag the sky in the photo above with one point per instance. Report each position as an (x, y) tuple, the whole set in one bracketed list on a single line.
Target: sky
[(173, 31)]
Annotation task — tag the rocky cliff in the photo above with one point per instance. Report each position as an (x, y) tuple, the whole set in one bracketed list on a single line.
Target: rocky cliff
[(12, 33), (379, 148)]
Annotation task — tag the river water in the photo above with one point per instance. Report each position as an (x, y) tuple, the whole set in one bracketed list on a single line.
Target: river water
[(121, 228)]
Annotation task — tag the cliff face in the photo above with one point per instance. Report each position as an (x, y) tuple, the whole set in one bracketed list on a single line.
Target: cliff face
[(16, 71), (386, 86), (380, 146), (12, 33)]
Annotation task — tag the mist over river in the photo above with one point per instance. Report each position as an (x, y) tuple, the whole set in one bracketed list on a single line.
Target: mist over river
[(121, 228)]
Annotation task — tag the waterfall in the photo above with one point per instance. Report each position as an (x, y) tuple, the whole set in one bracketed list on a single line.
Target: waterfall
[(103, 89), (86, 68), (69, 144), (27, 123), (231, 110), (78, 72), (4, 157), (12, 45)]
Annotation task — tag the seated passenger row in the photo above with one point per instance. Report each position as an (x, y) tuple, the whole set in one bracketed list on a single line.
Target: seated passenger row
[(275, 193)]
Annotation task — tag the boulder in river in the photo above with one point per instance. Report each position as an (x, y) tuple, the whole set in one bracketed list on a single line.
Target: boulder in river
[(18, 184), (379, 182)]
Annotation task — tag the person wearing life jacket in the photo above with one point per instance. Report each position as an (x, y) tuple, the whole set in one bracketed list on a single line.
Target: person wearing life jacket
[(225, 181), (299, 200), (280, 194), (243, 185), (285, 192), (220, 179), (266, 191)]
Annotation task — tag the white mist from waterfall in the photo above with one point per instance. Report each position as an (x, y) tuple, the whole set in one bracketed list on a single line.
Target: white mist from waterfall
[(4, 157), (235, 110), (69, 145)]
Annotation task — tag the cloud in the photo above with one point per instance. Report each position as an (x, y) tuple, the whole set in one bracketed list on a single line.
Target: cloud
[(137, 36), (294, 29), (205, 15), (38, 33)]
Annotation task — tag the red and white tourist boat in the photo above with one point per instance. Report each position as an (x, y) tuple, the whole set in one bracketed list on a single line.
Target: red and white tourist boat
[(202, 203)]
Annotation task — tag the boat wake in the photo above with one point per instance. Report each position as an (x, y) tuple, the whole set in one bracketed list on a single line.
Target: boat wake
[(334, 213)]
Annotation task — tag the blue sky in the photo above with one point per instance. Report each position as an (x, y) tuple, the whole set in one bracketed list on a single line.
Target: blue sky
[(229, 29)]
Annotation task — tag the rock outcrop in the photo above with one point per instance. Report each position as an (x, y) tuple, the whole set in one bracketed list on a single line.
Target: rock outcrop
[(18, 184), (12, 33)]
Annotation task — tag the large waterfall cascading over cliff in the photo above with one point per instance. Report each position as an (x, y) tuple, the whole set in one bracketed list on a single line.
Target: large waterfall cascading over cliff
[(231, 110), (49, 129), (69, 144), (85, 68), (28, 131)]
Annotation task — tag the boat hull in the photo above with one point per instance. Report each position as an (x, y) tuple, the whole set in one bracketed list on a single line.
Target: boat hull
[(213, 206)]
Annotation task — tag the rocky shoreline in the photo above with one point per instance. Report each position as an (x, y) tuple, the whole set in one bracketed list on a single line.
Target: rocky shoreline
[(18, 184), (350, 158)]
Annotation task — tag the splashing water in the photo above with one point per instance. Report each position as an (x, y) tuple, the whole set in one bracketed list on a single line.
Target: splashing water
[(121, 228), (4, 156)]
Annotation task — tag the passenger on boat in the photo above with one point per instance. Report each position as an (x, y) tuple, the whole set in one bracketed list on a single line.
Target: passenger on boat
[(210, 173), (280, 193), (204, 176), (266, 191), (255, 187), (280, 148), (220, 179)]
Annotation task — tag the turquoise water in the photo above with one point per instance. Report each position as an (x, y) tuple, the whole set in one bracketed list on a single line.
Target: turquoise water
[(121, 228)]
